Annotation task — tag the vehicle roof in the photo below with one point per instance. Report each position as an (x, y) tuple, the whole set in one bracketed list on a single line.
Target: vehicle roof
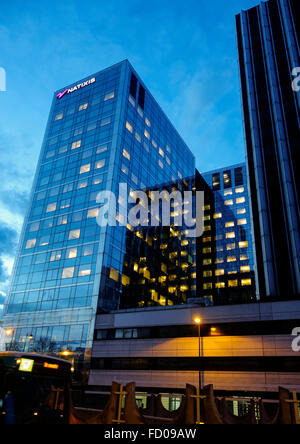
[(34, 355)]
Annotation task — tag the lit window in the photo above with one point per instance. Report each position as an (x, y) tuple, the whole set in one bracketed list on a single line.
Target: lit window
[(207, 228), (228, 202), (31, 243), (129, 127), (82, 184), (84, 271), (240, 190), (231, 259), (109, 96), (207, 261), (246, 282), (244, 257), (132, 101), (206, 250), (83, 107), (154, 143), (147, 135), (126, 154), (68, 273), (71, 253), (160, 164), (161, 152), (219, 272), (242, 222), (55, 256), (230, 247), (51, 207), (207, 274), (65, 204), (74, 234), (245, 269), (125, 280), (100, 164), (243, 244), (76, 145), (218, 216), (220, 285), (62, 220), (229, 224), (138, 137), (234, 283), (208, 286), (93, 213), (228, 193), (148, 122), (114, 275), (207, 218), (59, 116), (206, 239), (241, 200), (230, 235), (85, 169), (219, 261), (241, 211)]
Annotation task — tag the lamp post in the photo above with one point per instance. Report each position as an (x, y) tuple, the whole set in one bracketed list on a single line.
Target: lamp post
[(198, 323)]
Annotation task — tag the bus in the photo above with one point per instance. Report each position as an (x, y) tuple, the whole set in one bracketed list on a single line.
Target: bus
[(34, 389)]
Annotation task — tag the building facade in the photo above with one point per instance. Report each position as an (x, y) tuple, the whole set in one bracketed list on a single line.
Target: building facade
[(244, 350), (225, 261), (103, 131), (268, 45)]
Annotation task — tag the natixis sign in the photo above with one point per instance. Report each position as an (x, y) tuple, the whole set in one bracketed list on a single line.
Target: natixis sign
[(76, 88)]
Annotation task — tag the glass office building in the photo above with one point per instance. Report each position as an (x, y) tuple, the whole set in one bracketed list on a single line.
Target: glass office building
[(268, 45), (105, 130), (225, 262)]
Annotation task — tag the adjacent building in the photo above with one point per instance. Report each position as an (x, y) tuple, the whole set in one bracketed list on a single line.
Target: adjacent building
[(268, 45), (105, 130), (225, 262)]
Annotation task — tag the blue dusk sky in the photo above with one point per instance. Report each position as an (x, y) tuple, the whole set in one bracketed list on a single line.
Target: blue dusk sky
[(184, 51)]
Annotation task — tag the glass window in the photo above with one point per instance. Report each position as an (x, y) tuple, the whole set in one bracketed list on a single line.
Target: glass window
[(228, 202), (44, 241), (216, 182), (233, 283), (227, 179), (243, 244), (85, 168), (68, 273), (229, 224), (114, 275), (242, 222), (59, 116), (84, 270), (129, 127), (88, 250), (71, 253), (126, 154), (34, 227), (240, 190), (109, 96), (241, 200), (76, 145), (51, 207), (230, 235), (246, 282), (55, 256), (92, 213), (74, 234), (100, 164), (83, 107), (31, 243), (245, 269)]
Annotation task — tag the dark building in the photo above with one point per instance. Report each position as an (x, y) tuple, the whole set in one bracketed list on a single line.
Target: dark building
[(268, 45)]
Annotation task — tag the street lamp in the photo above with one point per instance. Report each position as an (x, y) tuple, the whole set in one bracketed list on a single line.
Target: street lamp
[(198, 322)]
